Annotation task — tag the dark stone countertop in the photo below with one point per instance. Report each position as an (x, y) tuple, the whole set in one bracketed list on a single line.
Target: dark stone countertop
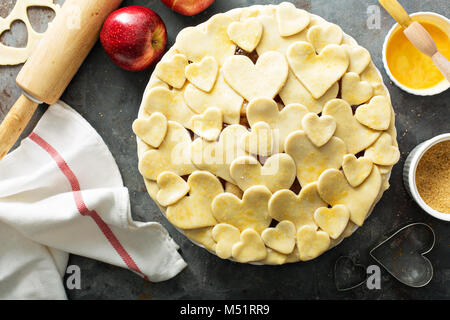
[(109, 98)]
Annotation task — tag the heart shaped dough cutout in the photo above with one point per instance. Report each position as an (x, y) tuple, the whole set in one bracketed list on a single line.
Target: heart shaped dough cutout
[(249, 248), (277, 173), (383, 152), (356, 136), (332, 220), (261, 140), (202, 236), (170, 103), (281, 238), (311, 160), (213, 38), (234, 189), (271, 39), (225, 235), (294, 92), (172, 188), (194, 211), (174, 154), (356, 170), (203, 74), (208, 125), (291, 20), (311, 243), (221, 96), (274, 258), (322, 35), (319, 130), (334, 189), (245, 77), (171, 71), (299, 209), (283, 122), (355, 91), (359, 58), (250, 212), (318, 73), (217, 156), (376, 114), (246, 34), (153, 130)]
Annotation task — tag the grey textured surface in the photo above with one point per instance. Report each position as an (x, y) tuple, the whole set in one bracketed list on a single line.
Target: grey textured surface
[(109, 98)]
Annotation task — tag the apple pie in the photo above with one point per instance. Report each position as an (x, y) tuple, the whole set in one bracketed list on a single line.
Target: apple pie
[(266, 135)]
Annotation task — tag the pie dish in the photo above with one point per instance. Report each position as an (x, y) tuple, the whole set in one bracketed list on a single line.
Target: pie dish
[(266, 135)]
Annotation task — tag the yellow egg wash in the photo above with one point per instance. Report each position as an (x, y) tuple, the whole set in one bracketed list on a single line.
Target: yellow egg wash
[(411, 67)]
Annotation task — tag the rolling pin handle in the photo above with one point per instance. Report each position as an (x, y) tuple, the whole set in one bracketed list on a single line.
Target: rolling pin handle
[(15, 122)]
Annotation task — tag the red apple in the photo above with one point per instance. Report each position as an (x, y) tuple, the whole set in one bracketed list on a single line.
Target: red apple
[(188, 7), (134, 37)]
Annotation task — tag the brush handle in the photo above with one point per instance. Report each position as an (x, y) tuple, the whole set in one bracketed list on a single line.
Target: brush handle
[(15, 122), (422, 40), (442, 64), (397, 12)]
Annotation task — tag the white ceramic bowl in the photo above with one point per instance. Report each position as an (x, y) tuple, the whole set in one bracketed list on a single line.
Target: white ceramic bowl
[(432, 17), (409, 174)]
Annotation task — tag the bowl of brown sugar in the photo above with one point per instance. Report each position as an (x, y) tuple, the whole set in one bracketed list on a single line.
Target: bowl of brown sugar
[(426, 175)]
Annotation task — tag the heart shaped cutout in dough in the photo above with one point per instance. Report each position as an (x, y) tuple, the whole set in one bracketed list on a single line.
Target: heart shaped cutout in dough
[(208, 125), (194, 211), (281, 238), (376, 114), (277, 173), (225, 235), (332, 220), (311, 160), (174, 154), (299, 209), (283, 122), (355, 91), (324, 34), (217, 156), (246, 78), (213, 38), (356, 170), (171, 71), (359, 58), (318, 73), (334, 188), (294, 92), (250, 212), (172, 188), (246, 34), (311, 243), (261, 140), (203, 74), (250, 247), (221, 96), (291, 20), (383, 152), (153, 130), (356, 136), (319, 130), (170, 103)]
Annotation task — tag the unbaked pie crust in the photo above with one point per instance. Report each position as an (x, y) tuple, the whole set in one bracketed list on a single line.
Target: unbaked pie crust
[(266, 135)]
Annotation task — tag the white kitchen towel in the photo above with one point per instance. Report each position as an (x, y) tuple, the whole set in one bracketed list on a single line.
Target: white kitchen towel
[(61, 192)]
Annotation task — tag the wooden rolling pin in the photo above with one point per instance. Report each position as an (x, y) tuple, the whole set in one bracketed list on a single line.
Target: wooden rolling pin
[(53, 64), (418, 36)]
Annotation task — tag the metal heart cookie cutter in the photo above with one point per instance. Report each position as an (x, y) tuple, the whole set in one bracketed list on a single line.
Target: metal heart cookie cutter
[(402, 254)]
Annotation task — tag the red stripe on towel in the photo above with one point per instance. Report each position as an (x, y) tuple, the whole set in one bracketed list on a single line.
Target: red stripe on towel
[(81, 206)]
